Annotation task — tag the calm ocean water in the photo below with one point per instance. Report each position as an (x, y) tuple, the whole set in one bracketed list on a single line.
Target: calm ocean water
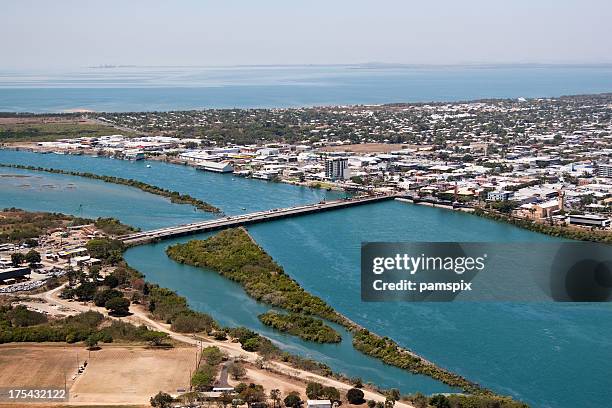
[(549, 355), (150, 89)]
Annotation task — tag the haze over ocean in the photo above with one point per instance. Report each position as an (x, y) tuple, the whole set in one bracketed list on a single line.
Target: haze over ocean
[(133, 89)]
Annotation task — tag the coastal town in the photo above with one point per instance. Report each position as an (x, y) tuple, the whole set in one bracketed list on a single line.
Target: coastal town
[(543, 160), (541, 164)]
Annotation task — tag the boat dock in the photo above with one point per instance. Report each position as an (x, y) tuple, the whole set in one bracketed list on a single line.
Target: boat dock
[(144, 237)]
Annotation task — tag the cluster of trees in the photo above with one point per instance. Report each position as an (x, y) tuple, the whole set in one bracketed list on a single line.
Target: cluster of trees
[(108, 250), (252, 341), (174, 196), (102, 292), (32, 257), (166, 305), (234, 255), (17, 324), (305, 327), (419, 400), (389, 352), (19, 226), (204, 377), (315, 390)]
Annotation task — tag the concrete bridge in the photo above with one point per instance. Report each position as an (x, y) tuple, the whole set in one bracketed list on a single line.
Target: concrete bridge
[(144, 237)]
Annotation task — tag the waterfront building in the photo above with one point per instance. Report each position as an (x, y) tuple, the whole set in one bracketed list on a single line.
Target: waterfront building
[(134, 154), (589, 220), (337, 168), (217, 167)]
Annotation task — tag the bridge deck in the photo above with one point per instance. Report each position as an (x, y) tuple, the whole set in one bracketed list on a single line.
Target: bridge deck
[(245, 219)]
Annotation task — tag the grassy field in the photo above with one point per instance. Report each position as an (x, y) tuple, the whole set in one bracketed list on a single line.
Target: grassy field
[(28, 129)]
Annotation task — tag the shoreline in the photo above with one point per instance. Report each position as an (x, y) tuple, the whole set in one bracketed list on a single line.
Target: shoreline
[(175, 197), (362, 338)]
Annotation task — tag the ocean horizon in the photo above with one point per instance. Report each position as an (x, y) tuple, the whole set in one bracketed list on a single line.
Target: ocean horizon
[(137, 88)]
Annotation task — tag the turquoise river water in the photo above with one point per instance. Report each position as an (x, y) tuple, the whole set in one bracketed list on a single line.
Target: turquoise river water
[(547, 354)]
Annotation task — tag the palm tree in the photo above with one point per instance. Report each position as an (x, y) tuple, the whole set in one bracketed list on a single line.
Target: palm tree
[(275, 395)]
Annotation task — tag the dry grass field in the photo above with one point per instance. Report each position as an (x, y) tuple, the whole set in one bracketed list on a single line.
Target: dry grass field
[(131, 375), (38, 366), (115, 375)]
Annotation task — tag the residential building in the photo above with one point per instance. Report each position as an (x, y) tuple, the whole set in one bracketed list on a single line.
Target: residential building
[(337, 168), (604, 170)]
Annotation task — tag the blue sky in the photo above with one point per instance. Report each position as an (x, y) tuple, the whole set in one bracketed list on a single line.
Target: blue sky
[(62, 33)]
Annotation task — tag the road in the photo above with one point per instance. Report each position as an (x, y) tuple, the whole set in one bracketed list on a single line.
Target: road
[(245, 219)]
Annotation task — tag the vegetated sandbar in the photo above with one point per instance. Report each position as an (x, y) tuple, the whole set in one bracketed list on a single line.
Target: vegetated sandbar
[(235, 255), (174, 196), (305, 327)]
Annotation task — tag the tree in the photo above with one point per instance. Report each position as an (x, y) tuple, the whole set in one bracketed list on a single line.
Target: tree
[(17, 259), (104, 296), (91, 342), (203, 378), (111, 281), (20, 316), (371, 403), (357, 180), (419, 400), (161, 400), (392, 396), (252, 394), (355, 396), (94, 272), (85, 291), (439, 401), (118, 306), (293, 400), (251, 344), (275, 396), (330, 393), (155, 338), (108, 250), (314, 390), (32, 257), (237, 371)]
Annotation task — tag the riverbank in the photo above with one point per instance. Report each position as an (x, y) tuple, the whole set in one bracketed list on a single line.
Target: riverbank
[(235, 255), (553, 230), (174, 196)]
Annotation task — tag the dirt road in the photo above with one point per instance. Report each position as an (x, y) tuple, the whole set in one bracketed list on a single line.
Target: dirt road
[(267, 378)]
